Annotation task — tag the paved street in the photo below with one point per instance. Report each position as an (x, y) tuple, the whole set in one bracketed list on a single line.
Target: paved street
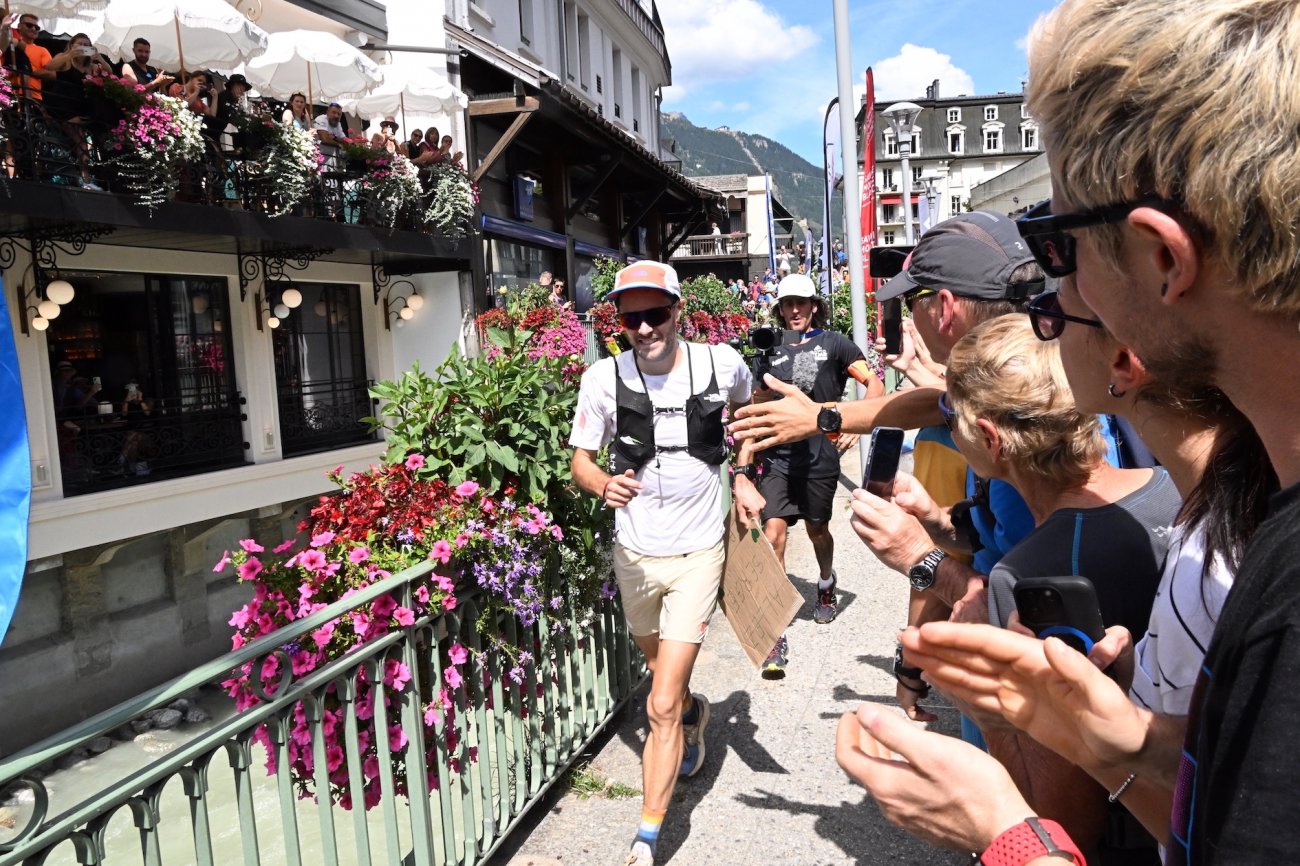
[(770, 790)]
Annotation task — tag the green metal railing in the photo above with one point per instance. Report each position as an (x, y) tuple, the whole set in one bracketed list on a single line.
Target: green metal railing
[(186, 806)]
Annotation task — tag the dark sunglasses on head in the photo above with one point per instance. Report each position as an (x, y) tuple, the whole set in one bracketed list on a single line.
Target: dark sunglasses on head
[(654, 317), (1048, 234), (1048, 319)]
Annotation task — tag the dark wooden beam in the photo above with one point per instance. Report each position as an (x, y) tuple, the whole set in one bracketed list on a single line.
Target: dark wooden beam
[(636, 220), (579, 202), (502, 142)]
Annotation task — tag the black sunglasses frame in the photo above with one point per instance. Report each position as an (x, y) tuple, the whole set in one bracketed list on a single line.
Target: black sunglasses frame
[(1037, 308), (1048, 234), (633, 321)]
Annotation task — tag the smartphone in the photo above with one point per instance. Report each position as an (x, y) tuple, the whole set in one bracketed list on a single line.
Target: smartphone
[(86, 50), (891, 325), (887, 262), (882, 461), (1063, 607), (96, 380)]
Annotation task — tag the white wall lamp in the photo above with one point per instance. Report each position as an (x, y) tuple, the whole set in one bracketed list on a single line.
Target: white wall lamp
[(290, 300), (398, 308)]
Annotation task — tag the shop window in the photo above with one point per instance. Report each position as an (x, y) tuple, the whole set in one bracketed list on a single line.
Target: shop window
[(144, 386), (322, 390)]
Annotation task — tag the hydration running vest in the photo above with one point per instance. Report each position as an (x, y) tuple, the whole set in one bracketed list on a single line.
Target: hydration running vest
[(634, 433)]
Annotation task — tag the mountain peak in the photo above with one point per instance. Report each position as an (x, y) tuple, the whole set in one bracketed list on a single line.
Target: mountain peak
[(727, 151)]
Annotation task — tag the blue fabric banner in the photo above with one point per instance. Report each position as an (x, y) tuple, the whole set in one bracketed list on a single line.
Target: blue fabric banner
[(15, 473)]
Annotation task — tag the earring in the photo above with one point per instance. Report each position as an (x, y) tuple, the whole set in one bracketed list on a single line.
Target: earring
[(1114, 392)]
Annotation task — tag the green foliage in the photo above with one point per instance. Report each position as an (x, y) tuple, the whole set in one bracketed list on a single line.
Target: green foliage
[(842, 320), (501, 419), (586, 781), (602, 278), (708, 294), (522, 300)]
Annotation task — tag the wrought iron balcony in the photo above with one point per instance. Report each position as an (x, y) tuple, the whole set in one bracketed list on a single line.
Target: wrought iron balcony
[(714, 246), (324, 414)]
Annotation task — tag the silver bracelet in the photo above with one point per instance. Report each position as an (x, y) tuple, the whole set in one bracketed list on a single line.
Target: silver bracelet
[(1119, 792)]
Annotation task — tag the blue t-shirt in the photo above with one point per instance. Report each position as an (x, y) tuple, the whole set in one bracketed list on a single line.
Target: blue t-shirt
[(1006, 520)]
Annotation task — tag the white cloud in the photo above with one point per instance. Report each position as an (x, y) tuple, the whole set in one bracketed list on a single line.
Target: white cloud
[(908, 73), (721, 41)]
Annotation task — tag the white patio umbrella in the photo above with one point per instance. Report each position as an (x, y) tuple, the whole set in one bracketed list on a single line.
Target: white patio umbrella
[(90, 22), (318, 64), (417, 88), (56, 8), (197, 34)]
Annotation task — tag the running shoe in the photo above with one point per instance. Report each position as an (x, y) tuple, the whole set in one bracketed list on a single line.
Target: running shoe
[(827, 606), (693, 759), (774, 666), (640, 855)]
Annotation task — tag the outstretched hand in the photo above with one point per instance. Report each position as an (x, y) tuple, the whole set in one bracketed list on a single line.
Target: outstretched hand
[(940, 789), (776, 422), (1044, 688)]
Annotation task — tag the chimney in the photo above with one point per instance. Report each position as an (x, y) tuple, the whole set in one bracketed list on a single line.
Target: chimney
[(934, 89)]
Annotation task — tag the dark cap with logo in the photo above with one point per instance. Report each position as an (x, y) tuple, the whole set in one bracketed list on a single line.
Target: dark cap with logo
[(972, 255)]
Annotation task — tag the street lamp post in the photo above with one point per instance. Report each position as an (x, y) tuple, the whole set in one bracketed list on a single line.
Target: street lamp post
[(931, 197), (902, 117)]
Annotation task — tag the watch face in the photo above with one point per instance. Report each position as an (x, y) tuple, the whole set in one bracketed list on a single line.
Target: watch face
[(921, 576), (828, 421)]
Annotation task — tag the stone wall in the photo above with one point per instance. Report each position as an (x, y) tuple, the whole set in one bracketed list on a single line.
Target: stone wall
[(99, 625)]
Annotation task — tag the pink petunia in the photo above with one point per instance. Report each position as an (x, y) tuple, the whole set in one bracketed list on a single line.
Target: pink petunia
[(404, 616), (458, 654), (467, 488), (283, 546), (449, 603), (312, 560), (221, 565), (384, 606), (441, 551), (251, 546), (422, 594), (358, 555), (414, 462), (453, 677), (323, 539), (462, 539), (250, 568)]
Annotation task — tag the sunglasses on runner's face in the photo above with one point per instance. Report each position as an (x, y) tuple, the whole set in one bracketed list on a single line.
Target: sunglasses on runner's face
[(1048, 319), (654, 317), (1048, 234)]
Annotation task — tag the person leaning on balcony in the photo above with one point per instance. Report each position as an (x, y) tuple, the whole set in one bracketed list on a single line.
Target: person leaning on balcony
[(659, 409), (138, 70), (445, 154), (329, 126), (414, 147), (67, 101), (297, 113), (430, 152), (23, 55)]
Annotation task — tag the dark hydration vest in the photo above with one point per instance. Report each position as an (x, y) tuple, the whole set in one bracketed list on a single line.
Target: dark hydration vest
[(634, 431)]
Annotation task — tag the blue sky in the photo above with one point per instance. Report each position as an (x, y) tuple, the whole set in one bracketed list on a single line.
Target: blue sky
[(768, 66)]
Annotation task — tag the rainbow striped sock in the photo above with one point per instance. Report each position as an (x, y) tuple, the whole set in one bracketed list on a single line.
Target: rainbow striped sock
[(652, 820)]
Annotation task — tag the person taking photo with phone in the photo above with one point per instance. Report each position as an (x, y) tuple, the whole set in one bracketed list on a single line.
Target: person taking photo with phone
[(798, 480), (659, 409)]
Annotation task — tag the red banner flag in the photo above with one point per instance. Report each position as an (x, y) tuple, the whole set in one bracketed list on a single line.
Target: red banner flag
[(869, 184)]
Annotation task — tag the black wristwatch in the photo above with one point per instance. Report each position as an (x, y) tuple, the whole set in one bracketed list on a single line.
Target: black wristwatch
[(902, 672), (749, 470), (828, 419), (922, 574)]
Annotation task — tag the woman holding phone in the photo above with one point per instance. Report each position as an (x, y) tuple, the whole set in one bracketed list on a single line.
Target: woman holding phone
[(67, 101)]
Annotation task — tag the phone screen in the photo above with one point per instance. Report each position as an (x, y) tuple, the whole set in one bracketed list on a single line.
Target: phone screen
[(882, 462), (891, 325)]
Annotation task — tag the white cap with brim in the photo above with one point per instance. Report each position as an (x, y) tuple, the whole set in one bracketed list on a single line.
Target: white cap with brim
[(647, 275), (796, 286)]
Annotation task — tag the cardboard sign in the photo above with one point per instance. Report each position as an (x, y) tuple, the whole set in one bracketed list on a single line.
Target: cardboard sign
[(757, 598)]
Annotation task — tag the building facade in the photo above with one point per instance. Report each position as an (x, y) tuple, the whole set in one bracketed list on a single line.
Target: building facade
[(748, 238), (957, 143), (168, 415), (563, 138)]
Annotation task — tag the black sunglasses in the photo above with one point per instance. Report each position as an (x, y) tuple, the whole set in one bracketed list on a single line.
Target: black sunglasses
[(654, 317), (1048, 234), (1048, 319), (945, 409), (30, 25)]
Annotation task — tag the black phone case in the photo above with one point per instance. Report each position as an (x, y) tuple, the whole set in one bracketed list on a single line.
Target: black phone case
[(882, 473), (891, 326), (1071, 614)]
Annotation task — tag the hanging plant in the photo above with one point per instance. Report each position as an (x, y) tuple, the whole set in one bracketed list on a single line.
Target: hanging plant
[(391, 186), (151, 146), (453, 197)]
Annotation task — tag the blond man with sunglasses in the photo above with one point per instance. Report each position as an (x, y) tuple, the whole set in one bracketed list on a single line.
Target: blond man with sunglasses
[(659, 408)]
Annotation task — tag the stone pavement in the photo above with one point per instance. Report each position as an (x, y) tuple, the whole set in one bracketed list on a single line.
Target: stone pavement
[(770, 791)]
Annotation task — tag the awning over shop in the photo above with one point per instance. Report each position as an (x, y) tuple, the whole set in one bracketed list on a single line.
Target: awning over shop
[(364, 15)]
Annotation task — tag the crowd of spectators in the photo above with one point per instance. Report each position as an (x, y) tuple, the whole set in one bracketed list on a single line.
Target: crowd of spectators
[(51, 88)]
